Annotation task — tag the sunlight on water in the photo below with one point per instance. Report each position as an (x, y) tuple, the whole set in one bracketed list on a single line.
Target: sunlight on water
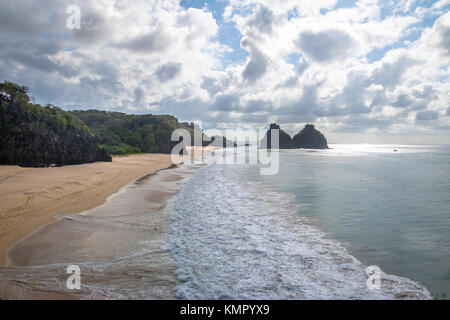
[(389, 208), (234, 236), (370, 149), (308, 232)]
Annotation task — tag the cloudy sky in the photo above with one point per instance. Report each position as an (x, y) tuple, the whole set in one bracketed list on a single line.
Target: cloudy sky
[(362, 71)]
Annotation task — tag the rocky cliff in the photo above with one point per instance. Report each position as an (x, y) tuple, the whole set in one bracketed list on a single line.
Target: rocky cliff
[(36, 136), (308, 138), (285, 139)]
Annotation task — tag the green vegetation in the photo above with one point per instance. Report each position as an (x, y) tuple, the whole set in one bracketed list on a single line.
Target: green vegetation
[(119, 133), (13, 94), (36, 136), (33, 135)]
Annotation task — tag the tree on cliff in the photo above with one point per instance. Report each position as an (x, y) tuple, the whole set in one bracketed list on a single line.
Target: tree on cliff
[(37, 136)]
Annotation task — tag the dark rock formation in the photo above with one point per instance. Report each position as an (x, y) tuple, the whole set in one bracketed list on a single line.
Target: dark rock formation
[(36, 136), (310, 138), (285, 139)]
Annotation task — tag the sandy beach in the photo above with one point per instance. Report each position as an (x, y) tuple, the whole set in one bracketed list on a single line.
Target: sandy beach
[(31, 197)]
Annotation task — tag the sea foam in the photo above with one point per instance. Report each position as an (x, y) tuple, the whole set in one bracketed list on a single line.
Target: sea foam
[(235, 238)]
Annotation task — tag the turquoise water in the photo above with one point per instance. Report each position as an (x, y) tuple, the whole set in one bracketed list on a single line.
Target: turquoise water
[(311, 231), (308, 232), (388, 208)]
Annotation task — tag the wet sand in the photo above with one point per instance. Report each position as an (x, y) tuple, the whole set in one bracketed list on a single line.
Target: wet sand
[(111, 219), (116, 245), (31, 197)]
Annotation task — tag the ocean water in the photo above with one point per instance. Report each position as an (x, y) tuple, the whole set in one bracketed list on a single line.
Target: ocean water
[(116, 246), (390, 209), (310, 231)]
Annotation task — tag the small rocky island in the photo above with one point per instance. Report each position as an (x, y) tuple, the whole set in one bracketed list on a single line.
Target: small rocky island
[(307, 138)]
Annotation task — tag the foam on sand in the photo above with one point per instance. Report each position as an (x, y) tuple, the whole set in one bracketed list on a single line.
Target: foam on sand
[(233, 238)]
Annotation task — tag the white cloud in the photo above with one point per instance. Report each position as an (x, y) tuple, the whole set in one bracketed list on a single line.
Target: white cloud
[(308, 61), (327, 45)]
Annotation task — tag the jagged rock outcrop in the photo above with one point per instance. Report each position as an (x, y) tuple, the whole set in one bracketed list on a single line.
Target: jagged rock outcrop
[(310, 138), (36, 136), (285, 139)]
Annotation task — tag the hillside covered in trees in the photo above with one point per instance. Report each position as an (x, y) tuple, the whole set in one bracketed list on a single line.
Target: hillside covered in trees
[(36, 136), (120, 133)]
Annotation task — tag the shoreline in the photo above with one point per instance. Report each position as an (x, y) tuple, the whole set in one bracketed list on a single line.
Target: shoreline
[(31, 198), (105, 233), (123, 236)]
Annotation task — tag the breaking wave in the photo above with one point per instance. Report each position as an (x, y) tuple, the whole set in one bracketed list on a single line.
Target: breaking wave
[(233, 237)]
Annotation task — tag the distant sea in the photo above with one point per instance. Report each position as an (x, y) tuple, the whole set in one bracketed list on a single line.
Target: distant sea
[(310, 231)]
